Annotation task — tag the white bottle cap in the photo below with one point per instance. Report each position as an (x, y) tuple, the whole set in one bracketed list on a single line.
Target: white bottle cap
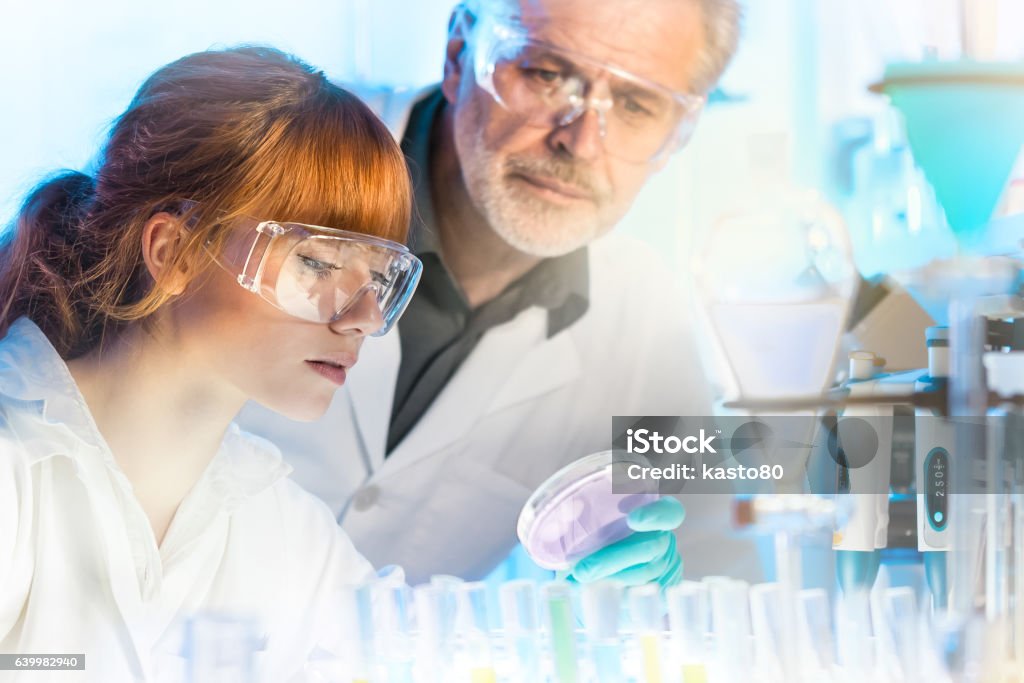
[(937, 339), (1005, 372), (862, 365)]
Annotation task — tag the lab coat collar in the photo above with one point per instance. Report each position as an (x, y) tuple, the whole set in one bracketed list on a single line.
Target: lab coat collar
[(371, 391), (514, 362), (30, 368), (33, 373), (246, 465)]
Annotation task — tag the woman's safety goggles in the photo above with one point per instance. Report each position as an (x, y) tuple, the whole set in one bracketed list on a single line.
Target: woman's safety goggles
[(548, 87), (318, 274)]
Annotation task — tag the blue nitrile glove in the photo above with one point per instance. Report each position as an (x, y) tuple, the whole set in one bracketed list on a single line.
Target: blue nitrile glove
[(648, 555)]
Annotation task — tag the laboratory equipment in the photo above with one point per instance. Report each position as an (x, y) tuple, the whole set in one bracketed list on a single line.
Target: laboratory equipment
[(689, 621), (603, 624), (963, 121), (787, 519), (575, 511), (474, 631), (718, 630), (561, 626), (934, 442), (816, 643), (1004, 529), (647, 613), (357, 658), (731, 658), (521, 619), (435, 642), (776, 281), (859, 541), (766, 617), (392, 606)]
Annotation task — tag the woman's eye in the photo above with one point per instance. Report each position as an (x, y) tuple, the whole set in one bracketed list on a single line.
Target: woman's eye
[(319, 269)]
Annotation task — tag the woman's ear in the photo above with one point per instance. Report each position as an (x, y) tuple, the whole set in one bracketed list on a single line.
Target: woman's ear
[(162, 237)]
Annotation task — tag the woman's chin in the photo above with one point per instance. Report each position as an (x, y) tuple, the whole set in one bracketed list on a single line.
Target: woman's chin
[(306, 409)]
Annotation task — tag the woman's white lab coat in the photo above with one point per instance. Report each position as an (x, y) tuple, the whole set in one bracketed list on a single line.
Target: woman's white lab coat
[(80, 570)]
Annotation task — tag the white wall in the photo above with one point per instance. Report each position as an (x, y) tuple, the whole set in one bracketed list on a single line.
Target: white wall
[(67, 68)]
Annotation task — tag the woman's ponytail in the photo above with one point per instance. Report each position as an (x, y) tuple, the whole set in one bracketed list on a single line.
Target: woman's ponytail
[(40, 262)]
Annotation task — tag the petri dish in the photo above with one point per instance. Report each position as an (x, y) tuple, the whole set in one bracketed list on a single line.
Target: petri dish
[(575, 511)]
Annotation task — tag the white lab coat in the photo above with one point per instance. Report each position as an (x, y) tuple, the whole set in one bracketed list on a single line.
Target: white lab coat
[(80, 569), (520, 407)]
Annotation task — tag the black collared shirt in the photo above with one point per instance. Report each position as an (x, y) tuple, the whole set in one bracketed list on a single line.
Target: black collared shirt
[(439, 329)]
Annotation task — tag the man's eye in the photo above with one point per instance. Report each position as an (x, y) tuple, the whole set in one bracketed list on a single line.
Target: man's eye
[(545, 76), (320, 269), (632, 106)]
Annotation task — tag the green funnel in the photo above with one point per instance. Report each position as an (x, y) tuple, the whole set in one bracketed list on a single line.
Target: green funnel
[(965, 126)]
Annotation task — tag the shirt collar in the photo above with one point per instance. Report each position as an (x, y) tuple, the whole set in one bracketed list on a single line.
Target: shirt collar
[(560, 284), (245, 466), (32, 372)]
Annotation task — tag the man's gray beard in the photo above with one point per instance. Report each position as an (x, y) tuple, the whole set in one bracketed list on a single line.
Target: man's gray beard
[(526, 222), (534, 226)]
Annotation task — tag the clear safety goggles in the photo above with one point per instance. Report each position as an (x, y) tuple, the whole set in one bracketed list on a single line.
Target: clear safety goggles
[(318, 274), (548, 86)]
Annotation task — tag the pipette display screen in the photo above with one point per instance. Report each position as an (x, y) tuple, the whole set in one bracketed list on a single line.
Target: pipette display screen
[(936, 482)]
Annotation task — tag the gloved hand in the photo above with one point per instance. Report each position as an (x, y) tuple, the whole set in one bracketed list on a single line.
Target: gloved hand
[(648, 555)]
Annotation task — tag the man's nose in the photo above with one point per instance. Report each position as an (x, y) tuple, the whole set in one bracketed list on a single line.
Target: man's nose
[(362, 316), (580, 133)]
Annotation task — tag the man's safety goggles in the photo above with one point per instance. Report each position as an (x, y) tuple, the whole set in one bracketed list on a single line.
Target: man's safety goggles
[(549, 87), (318, 274)]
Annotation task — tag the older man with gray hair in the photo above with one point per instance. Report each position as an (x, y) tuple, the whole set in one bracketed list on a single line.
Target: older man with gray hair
[(532, 327)]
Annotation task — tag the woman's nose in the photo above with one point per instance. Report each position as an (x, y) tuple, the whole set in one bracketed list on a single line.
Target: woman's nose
[(361, 316)]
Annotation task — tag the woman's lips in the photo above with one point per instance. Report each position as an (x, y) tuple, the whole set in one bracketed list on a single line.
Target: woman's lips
[(335, 373)]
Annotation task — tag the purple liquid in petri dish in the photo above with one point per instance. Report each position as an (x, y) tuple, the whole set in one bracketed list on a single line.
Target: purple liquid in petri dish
[(575, 512)]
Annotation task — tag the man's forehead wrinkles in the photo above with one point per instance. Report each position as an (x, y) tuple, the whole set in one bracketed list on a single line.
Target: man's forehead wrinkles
[(633, 45)]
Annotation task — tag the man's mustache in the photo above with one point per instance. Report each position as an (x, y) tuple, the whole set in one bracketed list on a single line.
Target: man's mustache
[(561, 171)]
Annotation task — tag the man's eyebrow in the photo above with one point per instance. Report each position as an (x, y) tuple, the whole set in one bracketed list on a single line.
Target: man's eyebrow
[(546, 52), (622, 87)]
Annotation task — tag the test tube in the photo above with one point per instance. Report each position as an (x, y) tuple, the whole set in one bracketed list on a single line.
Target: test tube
[(900, 609), (688, 618), (602, 611), (357, 627), (854, 639), (1018, 565), (393, 629), (435, 621), (815, 629), (474, 629), (561, 625), (765, 612), (647, 612), (519, 614), (730, 620)]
